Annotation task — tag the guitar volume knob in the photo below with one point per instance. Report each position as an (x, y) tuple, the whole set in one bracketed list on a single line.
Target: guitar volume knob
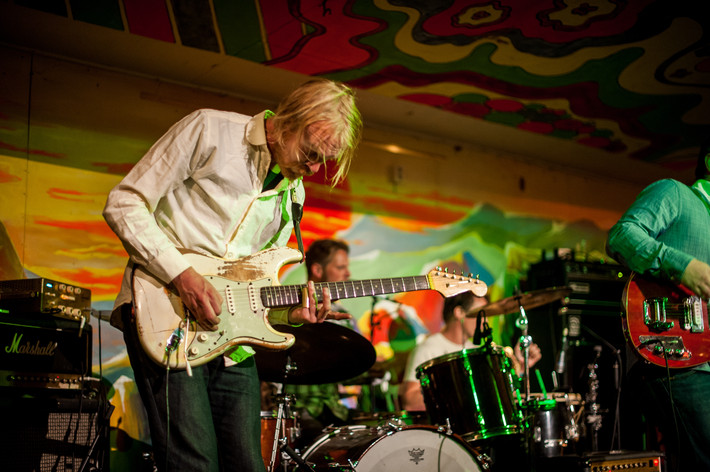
[(202, 337)]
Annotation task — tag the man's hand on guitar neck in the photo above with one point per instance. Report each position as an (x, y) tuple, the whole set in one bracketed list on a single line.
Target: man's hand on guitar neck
[(199, 297), (697, 278), (310, 311)]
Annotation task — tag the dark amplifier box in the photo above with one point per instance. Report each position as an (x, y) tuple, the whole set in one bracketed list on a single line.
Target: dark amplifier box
[(44, 352), (604, 461), (41, 295)]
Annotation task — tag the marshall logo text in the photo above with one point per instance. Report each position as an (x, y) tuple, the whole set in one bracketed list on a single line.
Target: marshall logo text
[(36, 349)]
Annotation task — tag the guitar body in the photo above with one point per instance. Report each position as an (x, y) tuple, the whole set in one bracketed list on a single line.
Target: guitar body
[(160, 312), (665, 323)]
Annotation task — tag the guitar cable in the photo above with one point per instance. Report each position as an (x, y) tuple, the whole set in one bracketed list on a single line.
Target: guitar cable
[(673, 410)]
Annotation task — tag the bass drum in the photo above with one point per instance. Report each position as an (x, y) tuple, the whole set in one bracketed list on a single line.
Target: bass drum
[(421, 448)]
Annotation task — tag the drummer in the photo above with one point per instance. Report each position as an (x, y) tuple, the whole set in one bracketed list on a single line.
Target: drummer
[(457, 334), (320, 405)]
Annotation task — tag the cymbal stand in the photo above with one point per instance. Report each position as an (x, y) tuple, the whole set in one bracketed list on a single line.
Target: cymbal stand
[(525, 342), (281, 444), (594, 411)]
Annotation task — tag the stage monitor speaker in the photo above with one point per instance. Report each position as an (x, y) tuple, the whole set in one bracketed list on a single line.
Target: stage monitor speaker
[(54, 430)]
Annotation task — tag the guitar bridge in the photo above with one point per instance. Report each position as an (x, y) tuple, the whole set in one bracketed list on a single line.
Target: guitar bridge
[(671, 347)]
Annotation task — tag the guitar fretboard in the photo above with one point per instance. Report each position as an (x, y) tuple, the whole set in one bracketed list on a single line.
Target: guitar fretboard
[(287, 295)]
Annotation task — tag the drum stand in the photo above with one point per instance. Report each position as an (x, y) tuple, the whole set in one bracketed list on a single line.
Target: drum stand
[(525, 342), (281, 444)]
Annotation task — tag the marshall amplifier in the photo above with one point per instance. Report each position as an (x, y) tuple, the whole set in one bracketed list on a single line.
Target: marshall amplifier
[(44, 352)]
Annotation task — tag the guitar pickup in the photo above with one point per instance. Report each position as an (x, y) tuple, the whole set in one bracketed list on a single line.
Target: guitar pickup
[(694, 314), (689, 313), (670, 346), (655, 315)]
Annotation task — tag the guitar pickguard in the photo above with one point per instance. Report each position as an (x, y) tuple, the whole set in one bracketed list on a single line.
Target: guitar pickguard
[(244, 320)]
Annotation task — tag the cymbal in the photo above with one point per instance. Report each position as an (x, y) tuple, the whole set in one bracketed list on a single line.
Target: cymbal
[(527, 300), (323, 353)]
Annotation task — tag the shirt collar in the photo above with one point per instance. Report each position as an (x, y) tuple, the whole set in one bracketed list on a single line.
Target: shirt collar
[(256, 129), (702, 189)]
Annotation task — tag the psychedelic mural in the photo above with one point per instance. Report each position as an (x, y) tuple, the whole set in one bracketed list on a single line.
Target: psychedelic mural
[(626, 77)]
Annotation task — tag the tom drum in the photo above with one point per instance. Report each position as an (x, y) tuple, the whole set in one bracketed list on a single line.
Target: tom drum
[(472, 391)]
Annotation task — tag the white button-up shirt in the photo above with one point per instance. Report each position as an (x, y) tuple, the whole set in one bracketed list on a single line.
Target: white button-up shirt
[(200, 187)]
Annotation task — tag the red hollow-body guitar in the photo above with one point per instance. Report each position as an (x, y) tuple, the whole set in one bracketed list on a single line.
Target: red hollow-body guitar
[(665, 324)]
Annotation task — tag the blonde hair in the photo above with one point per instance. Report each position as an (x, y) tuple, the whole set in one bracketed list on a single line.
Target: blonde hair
[(321, 100)]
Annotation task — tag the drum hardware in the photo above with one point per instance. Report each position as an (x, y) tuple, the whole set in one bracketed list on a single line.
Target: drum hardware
[(594, 411), (322, 353), (281, 439), (518, 303)]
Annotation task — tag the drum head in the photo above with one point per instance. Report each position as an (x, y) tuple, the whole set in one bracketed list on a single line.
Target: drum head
[(419, 448)]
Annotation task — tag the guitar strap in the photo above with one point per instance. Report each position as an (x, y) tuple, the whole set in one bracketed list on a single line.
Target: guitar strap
[(296, 214)]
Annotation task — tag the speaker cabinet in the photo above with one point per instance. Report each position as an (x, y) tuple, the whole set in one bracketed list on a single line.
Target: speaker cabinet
[(592, 317), (54, 430)]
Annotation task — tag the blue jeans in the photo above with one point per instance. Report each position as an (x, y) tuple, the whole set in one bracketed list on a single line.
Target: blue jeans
[(208, 422), (689, 448)]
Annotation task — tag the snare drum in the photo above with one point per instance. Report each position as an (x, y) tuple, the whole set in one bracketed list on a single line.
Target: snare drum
[(472, 391), (555, 426), (421, 448), (289, 431)]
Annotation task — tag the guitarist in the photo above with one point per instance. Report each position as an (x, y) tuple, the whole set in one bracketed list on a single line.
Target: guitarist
[(222, 184), (666, 234)]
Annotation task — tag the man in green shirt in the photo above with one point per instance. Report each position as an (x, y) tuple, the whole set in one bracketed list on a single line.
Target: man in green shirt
[(665, 234)]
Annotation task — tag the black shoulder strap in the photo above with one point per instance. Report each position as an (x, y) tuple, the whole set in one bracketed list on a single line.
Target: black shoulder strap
[(296, 214)]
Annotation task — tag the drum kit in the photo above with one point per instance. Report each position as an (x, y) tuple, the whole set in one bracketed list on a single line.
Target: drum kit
[(473, 401)]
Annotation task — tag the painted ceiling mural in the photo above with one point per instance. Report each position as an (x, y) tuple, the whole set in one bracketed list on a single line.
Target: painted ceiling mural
[(629, 77)]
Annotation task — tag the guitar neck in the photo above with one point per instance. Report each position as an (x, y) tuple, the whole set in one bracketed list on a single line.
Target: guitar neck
[(288, 295)]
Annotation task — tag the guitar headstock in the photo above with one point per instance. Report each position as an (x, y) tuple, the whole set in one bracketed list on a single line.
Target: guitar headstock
[(450, 284)]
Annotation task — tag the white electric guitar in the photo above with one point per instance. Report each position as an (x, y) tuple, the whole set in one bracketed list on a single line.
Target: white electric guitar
[(249, 288)]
